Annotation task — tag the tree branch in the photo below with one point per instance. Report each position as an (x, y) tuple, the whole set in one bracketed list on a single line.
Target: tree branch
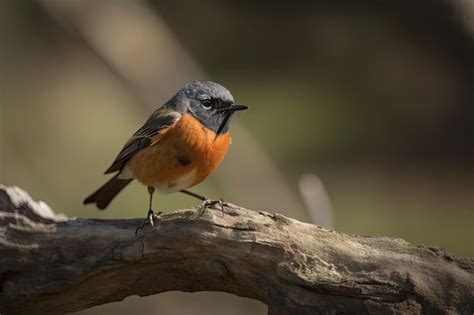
[(51, 264)]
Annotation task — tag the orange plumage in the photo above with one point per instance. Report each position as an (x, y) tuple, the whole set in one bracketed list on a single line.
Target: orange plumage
[(184, 148)]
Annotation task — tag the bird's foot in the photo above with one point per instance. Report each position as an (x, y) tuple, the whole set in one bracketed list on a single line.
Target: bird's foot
[(219, 204), (150, 218)]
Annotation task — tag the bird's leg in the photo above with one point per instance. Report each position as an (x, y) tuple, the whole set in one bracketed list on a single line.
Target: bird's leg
[(206, 202), (151, 216), (192, 194)]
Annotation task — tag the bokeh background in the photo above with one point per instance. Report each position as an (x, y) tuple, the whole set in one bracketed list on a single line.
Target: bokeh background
[(361, 120)]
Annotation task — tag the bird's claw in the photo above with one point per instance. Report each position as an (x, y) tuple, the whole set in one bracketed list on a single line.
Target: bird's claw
[(221, 205), (151, 217)]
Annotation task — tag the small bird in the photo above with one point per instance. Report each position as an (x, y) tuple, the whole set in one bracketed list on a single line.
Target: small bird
[(180, 145)]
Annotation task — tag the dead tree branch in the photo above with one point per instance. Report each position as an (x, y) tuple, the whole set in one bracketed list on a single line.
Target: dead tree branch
[(50, 264)]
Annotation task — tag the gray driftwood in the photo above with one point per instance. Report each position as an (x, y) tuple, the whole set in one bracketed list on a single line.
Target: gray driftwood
[(50, 264)]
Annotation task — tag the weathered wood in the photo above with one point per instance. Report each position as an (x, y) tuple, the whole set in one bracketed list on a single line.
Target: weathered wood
[(50, 264)]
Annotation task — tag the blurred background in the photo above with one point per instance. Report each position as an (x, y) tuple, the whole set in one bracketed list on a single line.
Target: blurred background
[(361, 120)]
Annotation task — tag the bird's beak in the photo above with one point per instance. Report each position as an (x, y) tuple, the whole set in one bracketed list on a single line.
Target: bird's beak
[(236, 108)]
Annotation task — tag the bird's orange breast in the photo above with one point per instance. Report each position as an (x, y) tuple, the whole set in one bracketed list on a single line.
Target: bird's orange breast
[(187, 150)]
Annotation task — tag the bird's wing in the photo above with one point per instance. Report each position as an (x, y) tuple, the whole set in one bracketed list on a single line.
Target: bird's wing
[(150, 133)]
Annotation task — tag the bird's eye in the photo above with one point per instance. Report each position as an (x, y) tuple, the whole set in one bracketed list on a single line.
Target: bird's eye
[(207, 103)]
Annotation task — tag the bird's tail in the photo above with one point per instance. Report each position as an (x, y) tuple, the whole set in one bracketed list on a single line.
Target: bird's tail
[(104, 195)]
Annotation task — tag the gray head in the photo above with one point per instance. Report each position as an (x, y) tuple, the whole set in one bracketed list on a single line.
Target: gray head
[(209, 102)]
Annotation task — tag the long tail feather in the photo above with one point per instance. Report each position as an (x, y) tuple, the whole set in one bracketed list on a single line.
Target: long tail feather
[(104, 195)]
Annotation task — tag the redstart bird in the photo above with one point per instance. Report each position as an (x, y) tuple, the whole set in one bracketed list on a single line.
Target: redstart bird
[(178, 146)]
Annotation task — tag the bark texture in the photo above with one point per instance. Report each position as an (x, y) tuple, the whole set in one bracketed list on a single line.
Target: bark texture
[(51, 264)]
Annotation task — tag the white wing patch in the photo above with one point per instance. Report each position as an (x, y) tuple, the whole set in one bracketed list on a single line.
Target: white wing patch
[(125, 173)]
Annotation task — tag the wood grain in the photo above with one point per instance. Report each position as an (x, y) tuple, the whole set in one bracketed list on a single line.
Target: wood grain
[(50, 264)]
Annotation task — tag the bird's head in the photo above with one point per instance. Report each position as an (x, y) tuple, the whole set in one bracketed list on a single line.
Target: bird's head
[(209, 102)]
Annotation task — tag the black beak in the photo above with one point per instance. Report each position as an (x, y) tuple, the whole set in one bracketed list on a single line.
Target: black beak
[(229, 111), (236, 108)]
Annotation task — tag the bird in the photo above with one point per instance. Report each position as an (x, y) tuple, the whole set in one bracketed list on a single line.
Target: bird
[(179, 146)]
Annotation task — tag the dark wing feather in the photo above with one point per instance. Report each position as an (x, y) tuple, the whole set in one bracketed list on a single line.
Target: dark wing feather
[(161, 119)]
